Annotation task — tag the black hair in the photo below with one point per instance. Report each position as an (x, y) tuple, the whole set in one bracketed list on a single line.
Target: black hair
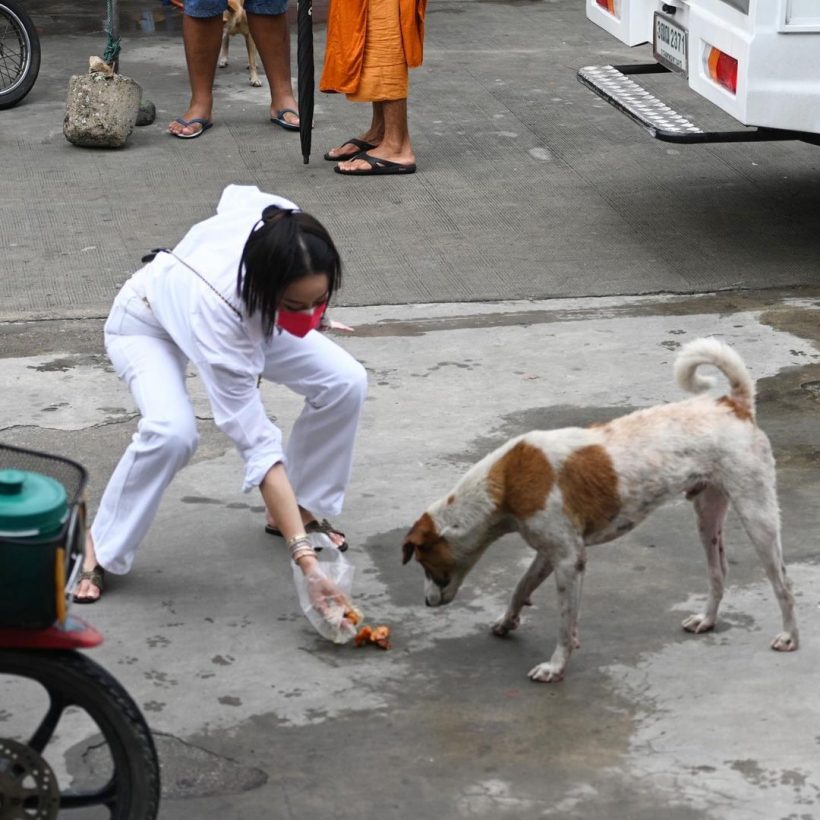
[(284, 246)]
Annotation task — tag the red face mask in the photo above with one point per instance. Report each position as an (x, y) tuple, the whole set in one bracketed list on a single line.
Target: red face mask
[(300, 322)]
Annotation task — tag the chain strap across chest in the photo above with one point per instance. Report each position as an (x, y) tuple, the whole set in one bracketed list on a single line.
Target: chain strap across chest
[(200, 276)]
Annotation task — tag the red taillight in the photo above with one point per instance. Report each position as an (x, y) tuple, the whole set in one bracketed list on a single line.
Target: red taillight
[(607, 5), (723, 69)]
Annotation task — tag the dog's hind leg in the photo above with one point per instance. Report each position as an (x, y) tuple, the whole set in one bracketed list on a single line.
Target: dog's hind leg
[(711, 505), (569, 573), (536, 573), (758, 511)]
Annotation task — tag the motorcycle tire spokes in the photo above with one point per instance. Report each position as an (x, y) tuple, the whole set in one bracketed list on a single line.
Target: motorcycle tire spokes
[(131, 787), (19, 53)]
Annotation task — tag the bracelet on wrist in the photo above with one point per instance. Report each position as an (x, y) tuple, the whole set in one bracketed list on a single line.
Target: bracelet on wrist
[(301, 537), (302, 552)]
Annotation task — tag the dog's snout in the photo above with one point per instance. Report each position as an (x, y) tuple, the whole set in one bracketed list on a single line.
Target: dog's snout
[(441, 583)]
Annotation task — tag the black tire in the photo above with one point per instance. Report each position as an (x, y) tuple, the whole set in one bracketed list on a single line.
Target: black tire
[(19, 53), (72, 679)]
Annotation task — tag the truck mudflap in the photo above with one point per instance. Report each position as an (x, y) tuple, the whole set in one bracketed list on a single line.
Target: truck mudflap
[(612, 84)]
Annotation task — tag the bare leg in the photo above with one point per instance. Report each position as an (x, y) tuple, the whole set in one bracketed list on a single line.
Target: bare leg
[(395, 144), (536, 573), (711, 505), (203, 41), (85, 589), (272, 37), (374, 135)]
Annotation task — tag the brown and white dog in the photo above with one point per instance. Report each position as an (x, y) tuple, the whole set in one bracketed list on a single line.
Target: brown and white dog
[(235, 21), (563, 490)]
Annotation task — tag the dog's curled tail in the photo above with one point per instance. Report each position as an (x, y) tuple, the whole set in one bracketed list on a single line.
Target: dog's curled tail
[(718, 354)]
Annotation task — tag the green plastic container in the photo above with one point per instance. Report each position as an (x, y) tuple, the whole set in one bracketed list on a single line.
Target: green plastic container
[(33, 511)]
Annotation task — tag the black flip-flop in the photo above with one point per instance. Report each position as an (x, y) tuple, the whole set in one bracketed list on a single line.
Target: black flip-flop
[(361, 145), (377, 167), (315, 526)]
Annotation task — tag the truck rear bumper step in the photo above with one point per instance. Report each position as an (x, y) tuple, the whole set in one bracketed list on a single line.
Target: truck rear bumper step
[(612, 84)]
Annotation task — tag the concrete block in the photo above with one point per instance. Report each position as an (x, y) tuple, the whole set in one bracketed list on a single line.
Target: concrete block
[(101, 109)]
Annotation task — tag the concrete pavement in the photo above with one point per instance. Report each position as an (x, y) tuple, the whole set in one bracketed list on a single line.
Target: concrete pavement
[(257, 717), (529, 186), (528, 189)]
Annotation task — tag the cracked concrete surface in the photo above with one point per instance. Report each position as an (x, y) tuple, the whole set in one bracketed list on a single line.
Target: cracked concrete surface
[(207, 635)]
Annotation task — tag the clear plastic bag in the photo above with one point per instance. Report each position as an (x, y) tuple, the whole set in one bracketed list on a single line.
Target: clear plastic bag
[(330, 623)]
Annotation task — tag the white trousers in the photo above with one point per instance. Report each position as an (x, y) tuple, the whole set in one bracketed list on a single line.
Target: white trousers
[(319, 452)]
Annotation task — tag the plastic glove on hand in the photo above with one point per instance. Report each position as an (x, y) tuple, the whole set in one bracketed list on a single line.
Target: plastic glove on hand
[(328, 600), (324, 595)]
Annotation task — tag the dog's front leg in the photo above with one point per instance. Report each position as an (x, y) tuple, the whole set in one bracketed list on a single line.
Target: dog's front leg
[(223, 51), (568, 576), (536, 573), (253, 76)]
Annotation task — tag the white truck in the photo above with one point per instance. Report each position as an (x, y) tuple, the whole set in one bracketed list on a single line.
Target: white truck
[(758, 60)]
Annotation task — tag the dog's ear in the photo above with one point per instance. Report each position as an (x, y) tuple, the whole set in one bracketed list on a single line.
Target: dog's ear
[(422, 534)]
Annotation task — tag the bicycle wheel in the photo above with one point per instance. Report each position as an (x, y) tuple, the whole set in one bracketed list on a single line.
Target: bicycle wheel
[(19, 53), (73, 680)]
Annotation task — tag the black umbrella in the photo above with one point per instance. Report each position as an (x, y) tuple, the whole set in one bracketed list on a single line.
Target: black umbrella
[(304, 63)]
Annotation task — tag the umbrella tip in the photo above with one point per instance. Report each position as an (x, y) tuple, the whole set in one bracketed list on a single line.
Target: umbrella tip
[(305, 159)]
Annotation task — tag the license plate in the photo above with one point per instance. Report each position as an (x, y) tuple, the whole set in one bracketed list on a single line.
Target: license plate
[(669, 44)]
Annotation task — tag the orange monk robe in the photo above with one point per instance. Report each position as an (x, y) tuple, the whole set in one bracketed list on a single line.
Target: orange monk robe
[(346, 30)]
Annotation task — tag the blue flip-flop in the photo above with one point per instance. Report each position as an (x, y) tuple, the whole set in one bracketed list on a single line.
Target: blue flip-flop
[(280, 120), (206, 124)]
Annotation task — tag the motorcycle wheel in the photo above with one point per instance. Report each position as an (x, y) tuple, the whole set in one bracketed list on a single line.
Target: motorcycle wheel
[(19, 53), (73, 680)]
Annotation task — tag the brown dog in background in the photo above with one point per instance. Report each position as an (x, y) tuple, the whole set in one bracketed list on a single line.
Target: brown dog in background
[(236, 22)]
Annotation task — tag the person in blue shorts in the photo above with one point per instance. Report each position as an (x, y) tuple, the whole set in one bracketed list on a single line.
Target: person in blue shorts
[(202, 35)]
